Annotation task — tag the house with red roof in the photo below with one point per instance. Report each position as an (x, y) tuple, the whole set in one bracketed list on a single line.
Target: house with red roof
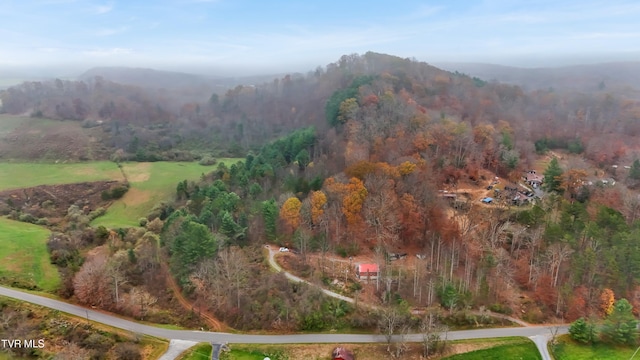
[(341, 353), (367, 271)]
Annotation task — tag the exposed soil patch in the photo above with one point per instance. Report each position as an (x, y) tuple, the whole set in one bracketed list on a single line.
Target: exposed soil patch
[(139, 172), (53, 201), (136, 197)]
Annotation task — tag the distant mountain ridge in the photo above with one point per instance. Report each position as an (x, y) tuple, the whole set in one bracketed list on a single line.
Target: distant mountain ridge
[(592, 77), (172, 80), (148, 77)]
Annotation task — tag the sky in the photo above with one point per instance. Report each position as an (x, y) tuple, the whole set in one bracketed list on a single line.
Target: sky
[(264, 36)]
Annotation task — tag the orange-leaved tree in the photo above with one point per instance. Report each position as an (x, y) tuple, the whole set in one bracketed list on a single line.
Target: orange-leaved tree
[(318, 201), (607, 299), (290, 213), (353, 200)]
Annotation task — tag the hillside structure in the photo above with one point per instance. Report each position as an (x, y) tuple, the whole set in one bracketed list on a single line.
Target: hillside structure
[(367, 271)]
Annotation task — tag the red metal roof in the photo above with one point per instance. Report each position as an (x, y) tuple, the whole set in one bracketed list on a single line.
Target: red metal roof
[(368, 268)]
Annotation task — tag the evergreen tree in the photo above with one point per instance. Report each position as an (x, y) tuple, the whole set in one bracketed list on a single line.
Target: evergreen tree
[(553, 177), (621, 327), (634, 172), (270, 216), (582, 331), (191, 245)]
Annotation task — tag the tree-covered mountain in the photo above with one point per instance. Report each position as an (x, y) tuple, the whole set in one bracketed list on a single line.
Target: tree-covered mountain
[(374, 155)]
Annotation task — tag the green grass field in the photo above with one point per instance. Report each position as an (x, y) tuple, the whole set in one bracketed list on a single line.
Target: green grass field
[(242, 355), (201, 351), (151, 183), (522, 349), (24, 256), (21, 175), (567, 349)]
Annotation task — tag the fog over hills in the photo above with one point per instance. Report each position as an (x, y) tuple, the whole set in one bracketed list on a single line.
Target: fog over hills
[(171, 80), (604, 76)]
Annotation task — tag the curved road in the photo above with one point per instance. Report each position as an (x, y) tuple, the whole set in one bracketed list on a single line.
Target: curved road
[(256, 339), (540, 337)]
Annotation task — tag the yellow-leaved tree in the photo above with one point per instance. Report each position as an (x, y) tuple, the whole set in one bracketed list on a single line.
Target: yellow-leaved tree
[(318, 201), (607, 299), (290, 213), (353, 200)]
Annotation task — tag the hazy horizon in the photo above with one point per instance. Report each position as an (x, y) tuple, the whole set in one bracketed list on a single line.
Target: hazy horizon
[(233, 38)]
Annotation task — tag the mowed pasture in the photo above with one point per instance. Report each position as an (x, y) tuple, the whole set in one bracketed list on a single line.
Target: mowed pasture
[(25, 260), (567, 349), (151, 184), (24, 175)]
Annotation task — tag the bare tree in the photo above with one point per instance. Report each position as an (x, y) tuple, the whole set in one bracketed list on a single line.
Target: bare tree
[(115, 272), (301, 238), (233, 269), (432, 333), (143, 299), (391, 321), (557, 253)]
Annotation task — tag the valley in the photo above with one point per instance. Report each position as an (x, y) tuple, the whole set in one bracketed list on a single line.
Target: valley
[(473, 205)]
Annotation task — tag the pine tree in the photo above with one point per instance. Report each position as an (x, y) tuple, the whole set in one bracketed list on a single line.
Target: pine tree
[(621, 327), (553, 177), (634, 172), (270, 216)]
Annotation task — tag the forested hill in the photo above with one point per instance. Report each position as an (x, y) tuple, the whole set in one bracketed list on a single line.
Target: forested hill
[(247, 115), (375, 154), (399, 162)]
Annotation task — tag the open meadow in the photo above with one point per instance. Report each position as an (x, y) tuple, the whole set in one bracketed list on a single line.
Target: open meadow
[(567, 349), (201, 351), (23, 175), (24, 255), (504, 348), (151, 183)]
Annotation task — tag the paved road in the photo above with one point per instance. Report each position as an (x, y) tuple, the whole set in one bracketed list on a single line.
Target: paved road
[(198, 336), (541, 342), (176, 347)]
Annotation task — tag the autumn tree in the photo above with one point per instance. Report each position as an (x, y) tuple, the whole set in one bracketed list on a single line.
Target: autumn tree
[(353, 200), (348, 110), (607, 300), (92, 284), (290, 213), (318, 202), (572, 181)]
